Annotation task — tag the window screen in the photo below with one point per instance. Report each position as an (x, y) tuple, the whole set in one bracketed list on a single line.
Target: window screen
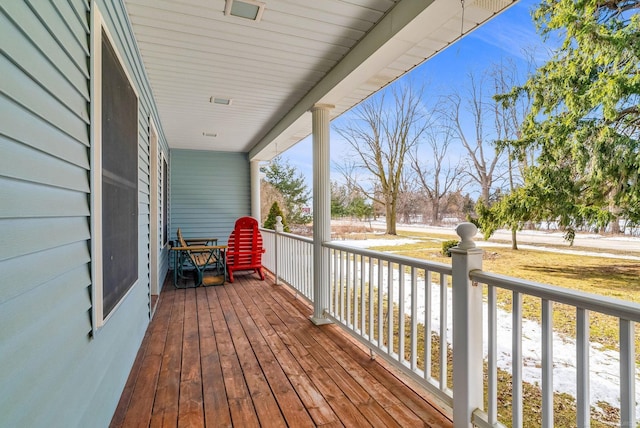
[(119, 180)]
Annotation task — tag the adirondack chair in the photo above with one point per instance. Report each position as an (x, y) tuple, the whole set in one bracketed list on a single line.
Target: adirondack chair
[(244, 251)]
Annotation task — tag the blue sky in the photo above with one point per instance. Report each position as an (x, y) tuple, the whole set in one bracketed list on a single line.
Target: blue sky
[(503, 37)]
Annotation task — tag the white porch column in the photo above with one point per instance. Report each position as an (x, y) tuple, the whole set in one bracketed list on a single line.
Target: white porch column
[(255, 191), (321, 211), (467, 328)]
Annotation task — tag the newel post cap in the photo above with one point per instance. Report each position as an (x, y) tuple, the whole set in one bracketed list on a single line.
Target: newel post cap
[(466, 232), (279, 226)]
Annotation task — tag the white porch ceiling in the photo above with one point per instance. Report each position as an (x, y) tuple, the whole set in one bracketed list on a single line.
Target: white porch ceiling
[(301, 53)]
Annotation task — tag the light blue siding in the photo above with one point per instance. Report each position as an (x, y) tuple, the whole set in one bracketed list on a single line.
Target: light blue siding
[(209, 191), (53, 371)]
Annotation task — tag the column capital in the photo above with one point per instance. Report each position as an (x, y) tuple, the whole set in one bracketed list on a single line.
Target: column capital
[(322, 107)]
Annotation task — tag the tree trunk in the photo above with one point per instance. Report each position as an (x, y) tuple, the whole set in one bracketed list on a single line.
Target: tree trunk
[(614, 226), (485, 193), (514, 240), (435, 212), (391, 219)]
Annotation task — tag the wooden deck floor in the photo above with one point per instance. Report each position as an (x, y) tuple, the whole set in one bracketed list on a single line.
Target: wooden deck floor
[(245, 354)]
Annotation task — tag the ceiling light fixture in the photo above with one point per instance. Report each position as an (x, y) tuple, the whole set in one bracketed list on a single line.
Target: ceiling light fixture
[(209, 134), (248, 9), (223, 101)]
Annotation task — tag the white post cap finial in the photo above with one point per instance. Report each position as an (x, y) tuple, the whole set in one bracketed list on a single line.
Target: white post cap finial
[(466, 232), (279, 226)]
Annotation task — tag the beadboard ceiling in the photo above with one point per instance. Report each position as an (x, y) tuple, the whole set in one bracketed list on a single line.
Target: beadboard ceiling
[(301, 52)]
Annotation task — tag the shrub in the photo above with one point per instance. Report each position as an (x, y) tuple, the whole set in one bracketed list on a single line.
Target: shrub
[(447, 245), (270, 222)]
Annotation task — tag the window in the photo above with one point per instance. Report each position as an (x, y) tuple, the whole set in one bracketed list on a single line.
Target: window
[(114, 177)]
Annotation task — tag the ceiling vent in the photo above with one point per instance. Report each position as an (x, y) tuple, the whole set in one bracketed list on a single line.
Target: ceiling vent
[(222, 101), (247, 9)]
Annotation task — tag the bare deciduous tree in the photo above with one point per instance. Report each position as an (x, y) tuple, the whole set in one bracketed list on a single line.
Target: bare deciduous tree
[(484, 156), (381, 133), (410, 203), (436, 178)]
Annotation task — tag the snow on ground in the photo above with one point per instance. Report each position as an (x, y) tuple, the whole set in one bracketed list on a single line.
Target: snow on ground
[(603, 364), (589, 240), (367, 243)]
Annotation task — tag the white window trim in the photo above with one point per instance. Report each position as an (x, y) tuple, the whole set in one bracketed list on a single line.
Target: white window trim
[(155, 215), (164, 200), (95, 68)]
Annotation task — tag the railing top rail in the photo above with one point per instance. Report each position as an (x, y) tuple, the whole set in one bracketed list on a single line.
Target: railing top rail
[(593, 302), (393, 258), (289, 235)]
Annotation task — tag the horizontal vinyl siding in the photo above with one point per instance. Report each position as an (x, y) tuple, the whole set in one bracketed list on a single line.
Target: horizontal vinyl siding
[(209, 192), (25, 234), (21, 125), (53, 373), (45, 300), (42, 167)]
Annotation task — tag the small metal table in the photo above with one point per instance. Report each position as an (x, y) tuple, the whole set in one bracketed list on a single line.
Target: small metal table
[(200, 244)]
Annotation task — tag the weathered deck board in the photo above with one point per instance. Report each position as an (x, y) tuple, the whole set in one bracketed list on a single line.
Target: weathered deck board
[(165, 405), (190, 404), (288, 401), (216, 408), (245, 354)]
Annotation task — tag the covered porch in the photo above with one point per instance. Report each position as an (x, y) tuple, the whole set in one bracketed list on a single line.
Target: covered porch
[(245, 354), (209, 95)]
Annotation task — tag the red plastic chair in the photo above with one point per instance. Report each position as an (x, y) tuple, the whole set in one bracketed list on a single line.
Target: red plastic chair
[(244, 251)]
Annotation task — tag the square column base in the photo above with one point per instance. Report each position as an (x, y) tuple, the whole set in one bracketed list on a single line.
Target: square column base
[(320, 321)]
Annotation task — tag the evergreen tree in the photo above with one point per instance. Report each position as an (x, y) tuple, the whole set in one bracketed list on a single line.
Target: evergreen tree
[(270, 222), (359, 208), (290, 183), (338, 200), (584, 124)]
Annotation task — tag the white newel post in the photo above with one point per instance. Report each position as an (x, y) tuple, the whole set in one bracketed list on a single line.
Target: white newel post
[(279, 230), (467, 328), (255, 190), (321, 211)]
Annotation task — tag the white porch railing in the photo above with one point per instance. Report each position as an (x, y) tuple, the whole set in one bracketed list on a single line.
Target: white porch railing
[(392, 304), (421, 315), (627, 315), (290, 259)]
